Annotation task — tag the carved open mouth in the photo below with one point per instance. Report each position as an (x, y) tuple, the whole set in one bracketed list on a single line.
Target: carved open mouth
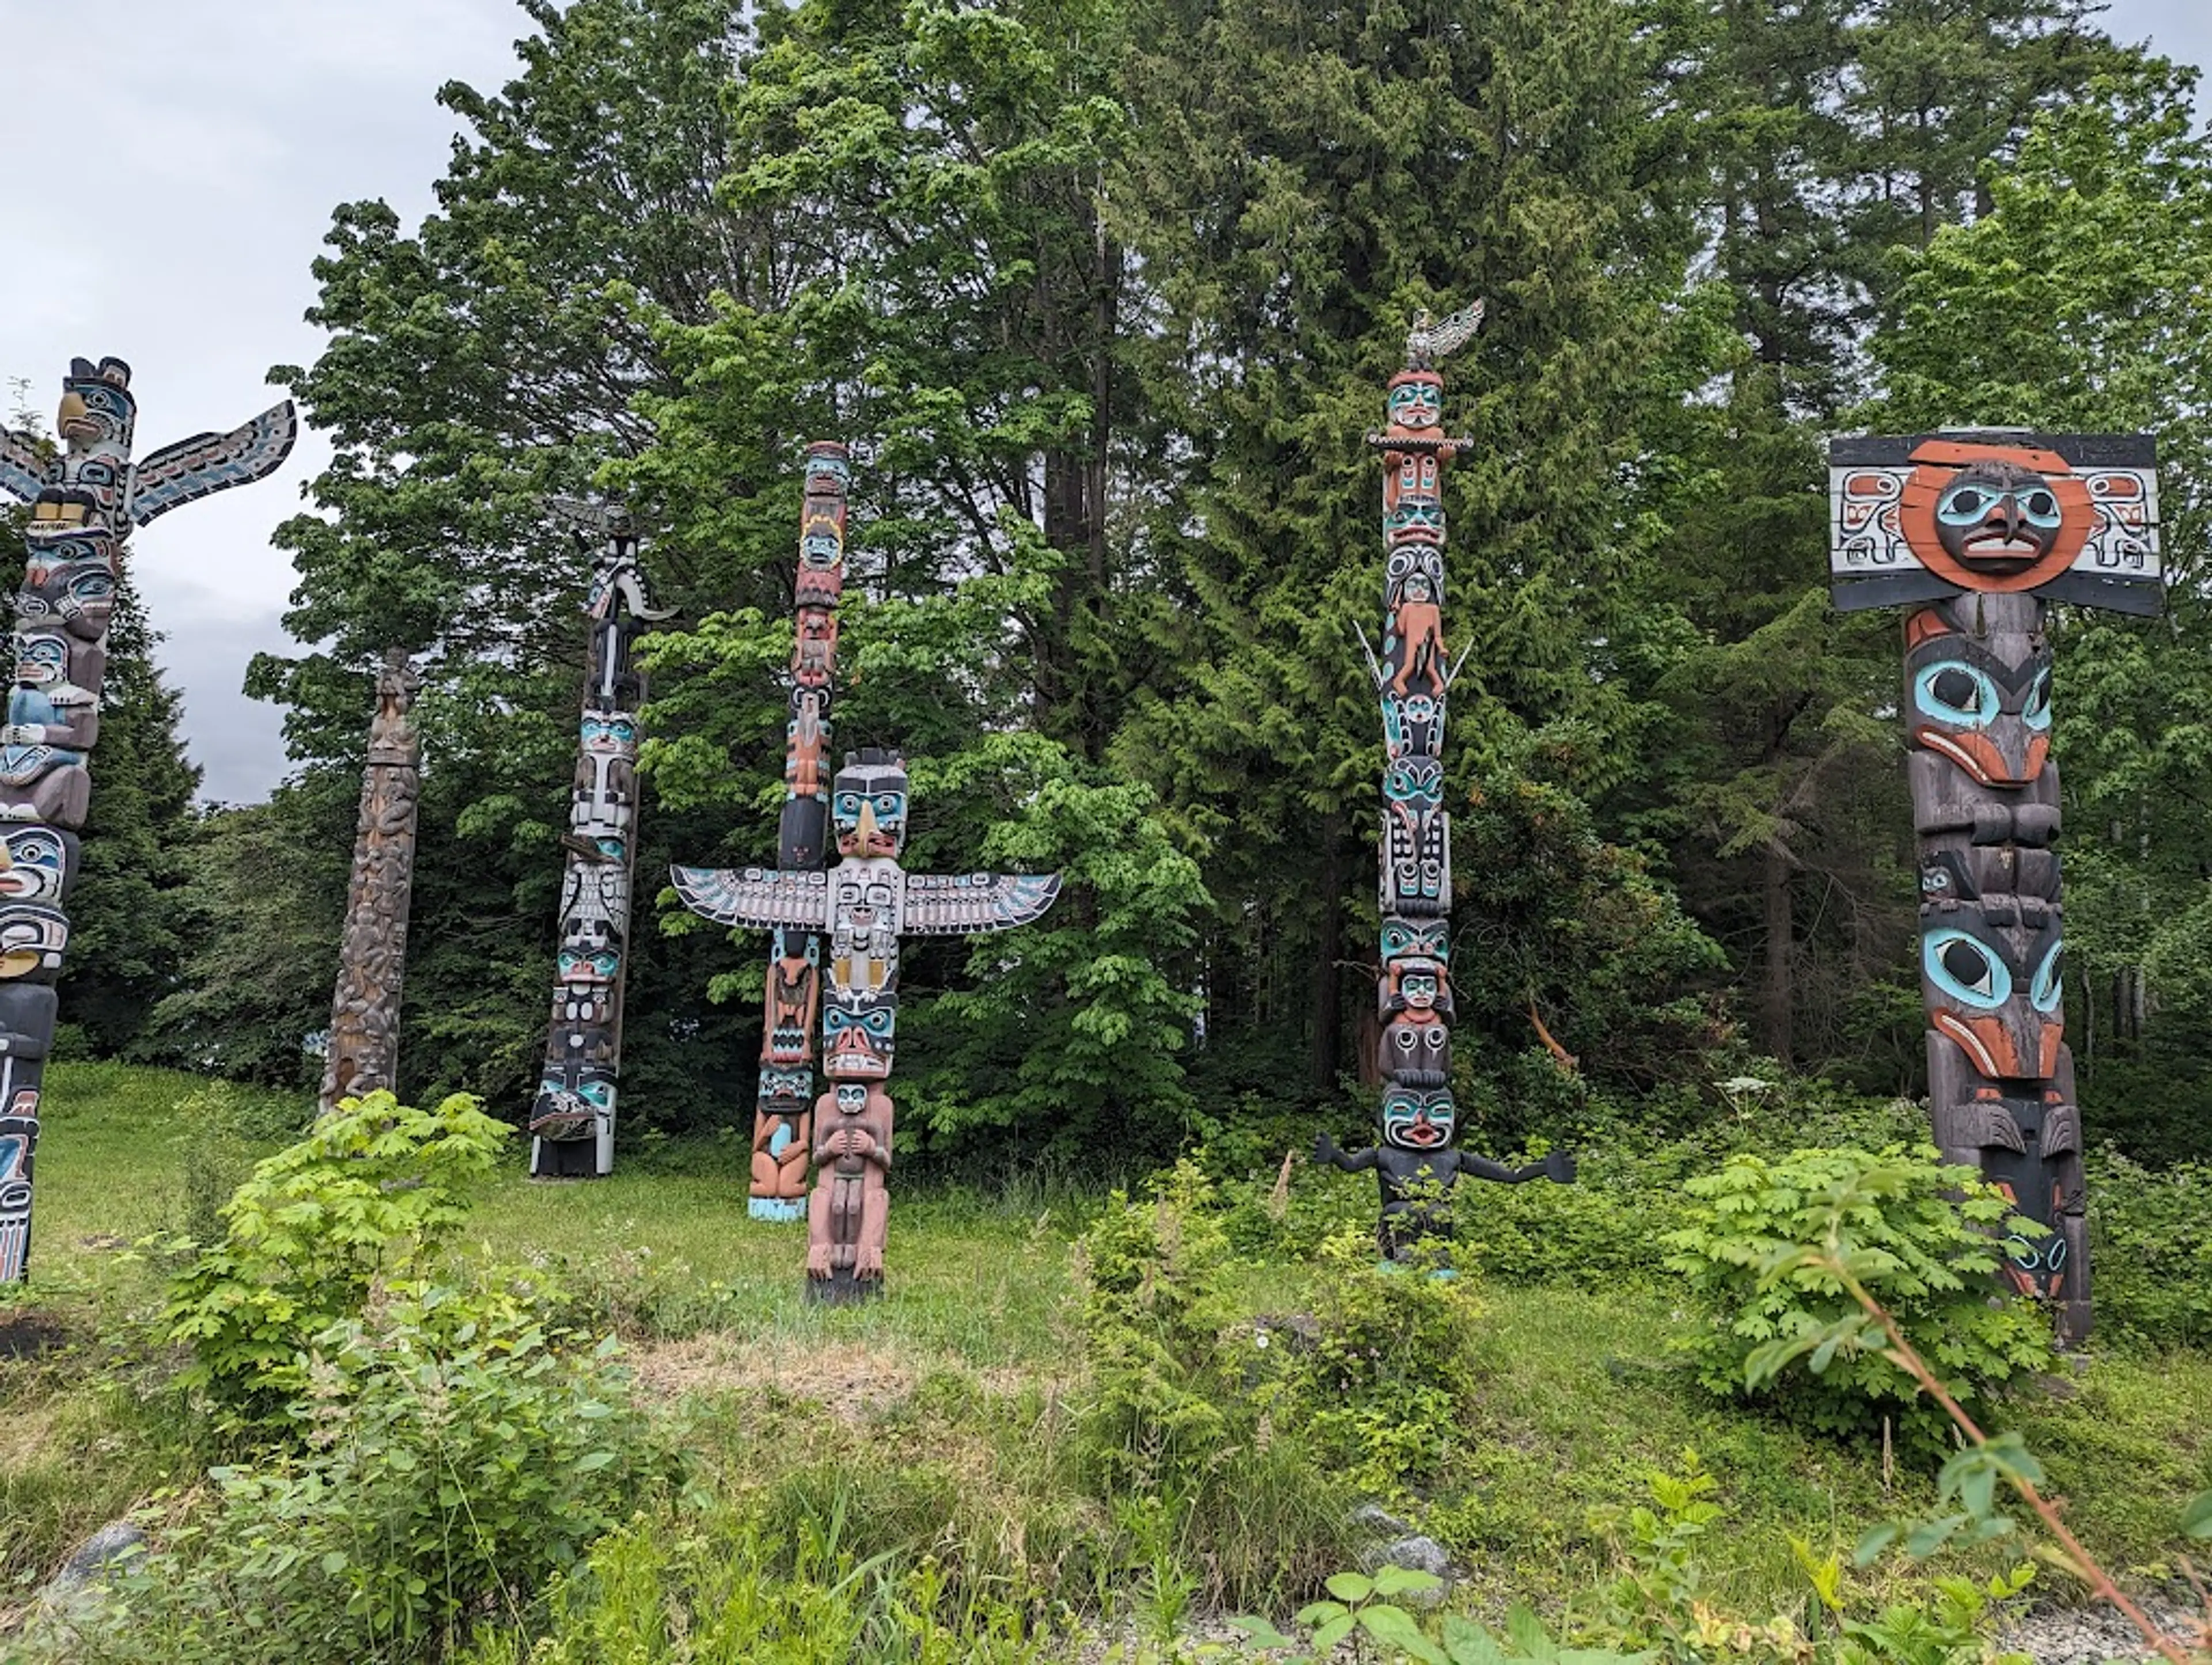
[(1997, 547), (1424, 1133)]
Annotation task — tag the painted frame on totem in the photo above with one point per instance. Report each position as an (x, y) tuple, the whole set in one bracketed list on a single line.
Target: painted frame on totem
[(2099, 548)]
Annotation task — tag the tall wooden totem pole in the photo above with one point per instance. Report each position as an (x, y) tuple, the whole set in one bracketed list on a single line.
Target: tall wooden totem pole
[(364, 1045), (782, 1115), (864, 905), (1415, 1164), (572, 1124), (84, 501), (1978, 531)]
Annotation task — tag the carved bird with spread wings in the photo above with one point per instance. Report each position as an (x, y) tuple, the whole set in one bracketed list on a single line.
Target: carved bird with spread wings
[(171, 477), (1429, 341)]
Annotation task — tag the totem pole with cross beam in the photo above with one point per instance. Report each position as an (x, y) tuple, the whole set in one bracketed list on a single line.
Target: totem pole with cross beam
[(84, 501), (864, 906)]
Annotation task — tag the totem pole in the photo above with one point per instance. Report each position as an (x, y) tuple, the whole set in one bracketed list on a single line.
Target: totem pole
[(1415, 1163), (864, 905), (782, 1116), (1978, 530), (364, 1049), (84, 502), (572, 1124)]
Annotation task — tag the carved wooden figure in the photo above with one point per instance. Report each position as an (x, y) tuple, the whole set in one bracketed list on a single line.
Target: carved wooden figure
[(865, 906), (572, 1120), (1978, 530), (784, 1114), (846, 921), (1414, 1163), (364, 1045), (85, 498)]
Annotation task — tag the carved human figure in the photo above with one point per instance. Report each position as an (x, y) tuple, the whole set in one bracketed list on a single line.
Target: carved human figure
[(848, 1216)]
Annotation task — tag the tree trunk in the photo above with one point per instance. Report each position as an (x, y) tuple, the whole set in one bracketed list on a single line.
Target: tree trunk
[(1328, 973), (1776, 991)]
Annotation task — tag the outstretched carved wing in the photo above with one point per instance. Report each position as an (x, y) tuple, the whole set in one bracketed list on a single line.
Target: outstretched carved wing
[(755, 895), (24, 471), (955, 905), (206, 463), (590, 519), (1456, 332)]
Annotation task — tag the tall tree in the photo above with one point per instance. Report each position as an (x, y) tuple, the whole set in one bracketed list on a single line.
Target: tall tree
[(1309, 178)]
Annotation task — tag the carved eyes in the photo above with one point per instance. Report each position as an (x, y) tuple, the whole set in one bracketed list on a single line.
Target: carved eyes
[(1963, 970), (2048, 988), (2036, 713), (1957, 693), (1967, 504)]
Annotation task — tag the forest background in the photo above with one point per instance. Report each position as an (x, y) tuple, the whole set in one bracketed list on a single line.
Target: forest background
[(1104, 294)]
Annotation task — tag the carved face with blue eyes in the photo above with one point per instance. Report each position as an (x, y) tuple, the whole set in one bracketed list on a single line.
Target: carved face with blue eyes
[(39, 860), (1417, 399), (2000, 516), (867, 807), (1416, 781), (1996, 991), (1411, 521), (1416, 940), (572, 1102), (859, 1034), (1410, 563), (1418, 1118), (1990, 717), (614, 733)]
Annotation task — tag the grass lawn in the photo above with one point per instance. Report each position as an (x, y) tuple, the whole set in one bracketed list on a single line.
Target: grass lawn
[(940, 1418)]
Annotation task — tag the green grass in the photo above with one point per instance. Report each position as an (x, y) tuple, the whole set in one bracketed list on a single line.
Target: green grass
[(940, 1418)]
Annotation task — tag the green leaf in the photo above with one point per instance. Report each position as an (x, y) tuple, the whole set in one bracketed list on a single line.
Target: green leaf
[(1529, 1634), (1468, 1644), (1876, 1541), (1349, 1587), (2197, 1516), (1327, 1636), (1395, 1627)]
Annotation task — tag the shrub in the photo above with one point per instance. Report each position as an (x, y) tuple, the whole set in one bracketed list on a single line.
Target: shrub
[(2150, 1241), (373, 1190), (451, 1460), (1926, 1239), (1381, 1389), (1153, 1312)]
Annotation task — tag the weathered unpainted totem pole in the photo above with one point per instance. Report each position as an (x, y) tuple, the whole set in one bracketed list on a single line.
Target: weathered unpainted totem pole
[(1415, 1163), (364, 1045), (572, 1124), (1978, 530), (864, 905), (84, 501), (783, 1115)]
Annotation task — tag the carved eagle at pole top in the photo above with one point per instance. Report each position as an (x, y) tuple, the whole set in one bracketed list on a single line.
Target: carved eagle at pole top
[(1429, 341)]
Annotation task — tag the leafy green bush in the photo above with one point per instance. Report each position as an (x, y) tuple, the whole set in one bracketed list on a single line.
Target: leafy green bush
[(2150, 1248), (374, 1191), (452, 1459), (1381, 1389), (1925, 1239), (1153, 1311)]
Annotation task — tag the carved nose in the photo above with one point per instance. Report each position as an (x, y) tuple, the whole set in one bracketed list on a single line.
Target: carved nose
[(867, 828), (74, 410), (2006, 516)]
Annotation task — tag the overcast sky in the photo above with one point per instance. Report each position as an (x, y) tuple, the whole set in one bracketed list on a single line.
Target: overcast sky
[(175, 214)]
